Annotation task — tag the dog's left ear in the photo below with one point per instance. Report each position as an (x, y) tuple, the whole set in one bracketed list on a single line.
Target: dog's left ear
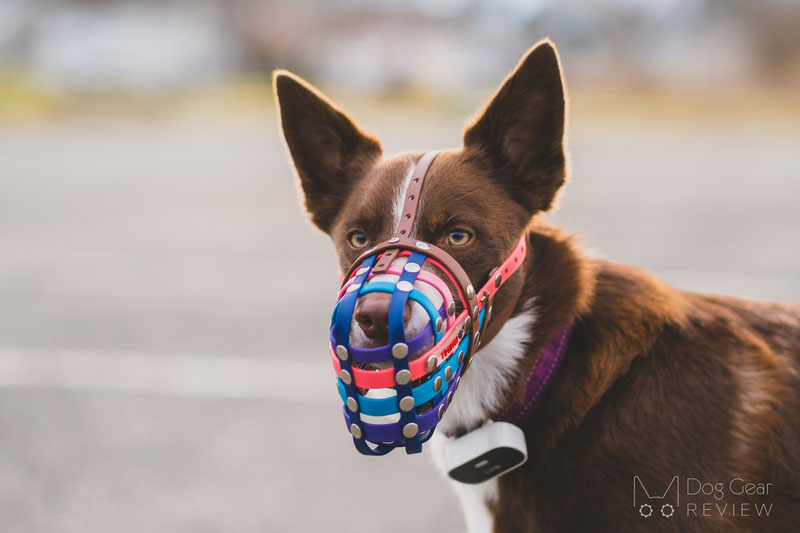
[(521, 130)]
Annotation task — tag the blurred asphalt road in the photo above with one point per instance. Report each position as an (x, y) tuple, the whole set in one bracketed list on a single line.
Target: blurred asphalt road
[(163, 306)]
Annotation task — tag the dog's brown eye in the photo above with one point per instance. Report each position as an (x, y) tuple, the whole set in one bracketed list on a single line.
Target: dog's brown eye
[(458, 238), (357, 240)]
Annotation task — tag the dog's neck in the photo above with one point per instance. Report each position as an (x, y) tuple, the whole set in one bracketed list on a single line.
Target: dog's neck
[(599, 295), (559, 287), (555, 287)]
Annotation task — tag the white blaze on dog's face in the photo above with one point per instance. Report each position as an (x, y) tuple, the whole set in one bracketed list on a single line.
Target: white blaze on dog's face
[(475, 202)]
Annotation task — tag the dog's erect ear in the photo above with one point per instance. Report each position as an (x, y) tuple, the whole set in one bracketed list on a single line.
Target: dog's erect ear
[(521, 130), (329, 151)]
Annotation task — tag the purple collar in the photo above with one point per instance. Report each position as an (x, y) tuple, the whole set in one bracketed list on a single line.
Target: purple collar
[(538, 379)]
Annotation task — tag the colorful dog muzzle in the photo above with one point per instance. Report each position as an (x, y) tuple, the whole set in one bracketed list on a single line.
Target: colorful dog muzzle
[(400, 403)]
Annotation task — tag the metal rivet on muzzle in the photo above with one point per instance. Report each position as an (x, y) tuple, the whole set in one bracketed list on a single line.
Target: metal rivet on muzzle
[(407, 403), (439, 324), (355, 430), (347, 379), (399, 350), (423, 245), (451, 309), (448, 373), (403, 377), (354, 287), (352, 404), (470, 292), (341, 351), (477, 339), (460, 356), (440, 414), (449, 398), (410, 430), (475, 313), (404, 286), (498, 279), (361, 271), (458, 380), (394, 239), (468, 324), (489, 314), (411, 267), (430, 364), (437, 384)]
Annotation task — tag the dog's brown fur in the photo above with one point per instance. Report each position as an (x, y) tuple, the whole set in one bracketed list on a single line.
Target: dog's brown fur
[(656, 382)]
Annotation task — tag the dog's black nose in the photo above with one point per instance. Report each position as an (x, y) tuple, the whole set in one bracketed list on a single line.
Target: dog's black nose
[(372, 315)]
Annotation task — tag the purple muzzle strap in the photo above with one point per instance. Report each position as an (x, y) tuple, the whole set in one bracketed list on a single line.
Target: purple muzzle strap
[(538, 379)]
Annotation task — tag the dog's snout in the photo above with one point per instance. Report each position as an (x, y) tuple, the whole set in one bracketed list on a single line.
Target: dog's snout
[(372, 315)]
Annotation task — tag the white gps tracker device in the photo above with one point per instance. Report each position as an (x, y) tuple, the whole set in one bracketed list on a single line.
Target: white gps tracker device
[(487, 452)]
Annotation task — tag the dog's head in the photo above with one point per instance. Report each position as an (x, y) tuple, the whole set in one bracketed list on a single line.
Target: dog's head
[(476, 201)]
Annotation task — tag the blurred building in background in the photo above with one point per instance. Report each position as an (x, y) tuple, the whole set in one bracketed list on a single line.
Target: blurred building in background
[(142, 46)]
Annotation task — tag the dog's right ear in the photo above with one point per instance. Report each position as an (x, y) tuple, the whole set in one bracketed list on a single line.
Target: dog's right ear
[(329, 151)]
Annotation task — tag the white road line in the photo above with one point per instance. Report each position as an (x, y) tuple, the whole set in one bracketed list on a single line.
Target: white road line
[(238, 377)]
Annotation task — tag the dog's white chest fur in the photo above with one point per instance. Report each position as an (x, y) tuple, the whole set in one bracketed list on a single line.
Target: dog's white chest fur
[(480, 393)]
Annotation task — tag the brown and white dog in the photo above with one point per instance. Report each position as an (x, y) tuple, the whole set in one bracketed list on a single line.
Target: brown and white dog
[(656, 382)]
